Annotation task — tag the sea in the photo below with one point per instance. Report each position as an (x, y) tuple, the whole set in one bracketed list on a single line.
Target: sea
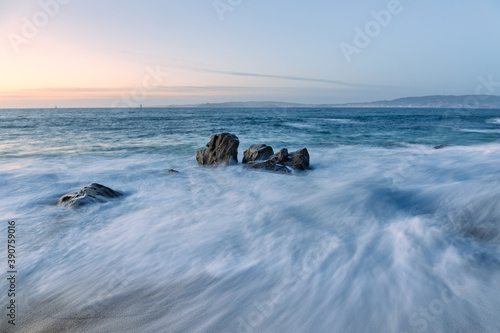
[(384, 233)]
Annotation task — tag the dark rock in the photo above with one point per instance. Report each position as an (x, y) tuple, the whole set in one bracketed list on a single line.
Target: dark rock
[(278, 162), (222, 148), (280, 157), (90, 193), (268, 166), (171, 171), (258, 152), (298, 159), (444, 145)]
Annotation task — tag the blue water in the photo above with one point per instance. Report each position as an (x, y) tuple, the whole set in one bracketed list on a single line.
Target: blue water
[(180, 131), (383, 234)]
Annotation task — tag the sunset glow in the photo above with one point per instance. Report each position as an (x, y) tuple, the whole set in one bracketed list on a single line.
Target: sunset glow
[(68, 53)]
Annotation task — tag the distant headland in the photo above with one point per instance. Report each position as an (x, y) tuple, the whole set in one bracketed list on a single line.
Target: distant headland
[(437, 101)]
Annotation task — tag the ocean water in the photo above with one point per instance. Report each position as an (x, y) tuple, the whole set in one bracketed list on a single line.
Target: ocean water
[(382, 234)]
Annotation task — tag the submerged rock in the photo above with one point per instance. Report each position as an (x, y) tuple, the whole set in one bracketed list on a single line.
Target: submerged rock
[(90, 193), (172, 171), (257, 152), (268, 166), (444, 145), (222, 149)]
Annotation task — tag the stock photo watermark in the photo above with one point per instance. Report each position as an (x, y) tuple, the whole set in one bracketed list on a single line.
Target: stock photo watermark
[(485, 88), (48, 9), (11, 273), (372, 29), (98, 306), (151, 81), (260, 311), (224, 6), (422, 319), (114, 286)]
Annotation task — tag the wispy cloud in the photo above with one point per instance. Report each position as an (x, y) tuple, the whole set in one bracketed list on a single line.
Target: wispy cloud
[(171, 62), (283, 77)]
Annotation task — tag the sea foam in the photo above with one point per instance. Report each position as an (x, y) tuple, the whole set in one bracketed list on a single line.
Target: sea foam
[(411, 232)]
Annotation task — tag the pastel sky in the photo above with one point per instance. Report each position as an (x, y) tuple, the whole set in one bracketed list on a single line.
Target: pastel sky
[(89, 53)]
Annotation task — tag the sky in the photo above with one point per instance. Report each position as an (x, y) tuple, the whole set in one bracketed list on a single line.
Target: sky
[(123, 53)]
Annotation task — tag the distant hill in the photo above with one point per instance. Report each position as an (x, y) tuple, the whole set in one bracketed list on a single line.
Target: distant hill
[(438, 101), (243, 105)]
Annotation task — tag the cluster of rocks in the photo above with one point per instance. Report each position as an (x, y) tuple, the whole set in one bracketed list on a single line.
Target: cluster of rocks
[(263, 157), (223, 149)]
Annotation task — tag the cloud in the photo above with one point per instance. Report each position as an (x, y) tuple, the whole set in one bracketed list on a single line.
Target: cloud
[(172, 62), (283, 77)]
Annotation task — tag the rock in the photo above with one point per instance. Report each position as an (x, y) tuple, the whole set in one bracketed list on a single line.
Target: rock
[(258, 152), (268, 166), (90, 193), (299, 159), (222, 149), (278, 162), (444, 145), (280, 157), (171, 171)]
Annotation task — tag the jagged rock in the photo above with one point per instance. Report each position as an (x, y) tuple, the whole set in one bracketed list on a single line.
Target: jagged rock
[(90, 193), (444, 145), (268, 166), (222, 148), (172, 171), (280, 157), (257, 152), (298, 159), (278, 162)]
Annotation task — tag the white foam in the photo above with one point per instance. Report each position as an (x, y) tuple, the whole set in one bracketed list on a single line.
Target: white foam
[(495, 121), (370, 232), (488, 131), (300, 125), (342, 121)]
